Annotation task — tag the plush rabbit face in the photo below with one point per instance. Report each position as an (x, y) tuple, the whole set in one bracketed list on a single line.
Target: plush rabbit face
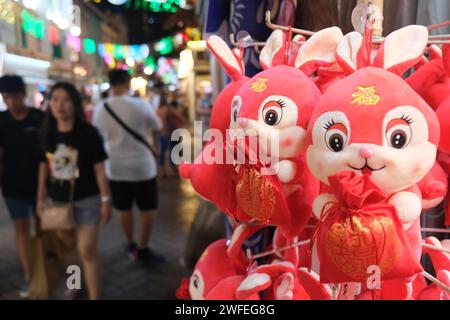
[(373, 123), (276, 104), (213, 266)]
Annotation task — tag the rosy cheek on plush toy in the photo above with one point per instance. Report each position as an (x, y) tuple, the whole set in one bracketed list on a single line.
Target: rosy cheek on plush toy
[(372, 139)]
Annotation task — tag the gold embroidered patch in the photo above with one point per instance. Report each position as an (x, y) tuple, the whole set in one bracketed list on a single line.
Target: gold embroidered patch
[(353, 246), (259, 85), (366, 96), (255, 195)]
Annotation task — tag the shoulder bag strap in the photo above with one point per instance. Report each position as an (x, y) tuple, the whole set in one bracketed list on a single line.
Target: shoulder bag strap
[(133, 133)]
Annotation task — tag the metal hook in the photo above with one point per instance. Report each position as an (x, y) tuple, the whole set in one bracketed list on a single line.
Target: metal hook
[(273, 26), (251, 44)]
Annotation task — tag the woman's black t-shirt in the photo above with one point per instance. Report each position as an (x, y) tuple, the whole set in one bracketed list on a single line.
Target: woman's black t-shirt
[(87, 145)]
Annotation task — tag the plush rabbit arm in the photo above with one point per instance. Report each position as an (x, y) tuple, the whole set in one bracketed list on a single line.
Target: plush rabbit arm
[(230, 61)]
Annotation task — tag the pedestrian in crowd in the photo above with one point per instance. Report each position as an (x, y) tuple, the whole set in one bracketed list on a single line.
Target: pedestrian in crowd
[(67, 135), (126, 123), (172, 120), (19, 161)]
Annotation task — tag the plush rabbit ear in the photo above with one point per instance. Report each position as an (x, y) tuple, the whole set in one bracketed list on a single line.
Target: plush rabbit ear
[(435, 52), (239, 55), (402, 49), (312, 285), (296, 44), (273, 53), (284, 287), (254, 283), (227, 59), (319, 50), (351, 54)]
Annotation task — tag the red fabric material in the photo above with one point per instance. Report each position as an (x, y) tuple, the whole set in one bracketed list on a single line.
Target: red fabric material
[(443, 113), (359, 230), (432, 81), (182, 292)]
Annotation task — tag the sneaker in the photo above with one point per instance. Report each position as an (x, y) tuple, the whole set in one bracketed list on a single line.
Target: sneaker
[(23, 291), (148, 256), (131, 251)]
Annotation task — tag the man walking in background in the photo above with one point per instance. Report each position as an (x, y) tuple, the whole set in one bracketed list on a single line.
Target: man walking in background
[(19, 161), (126, 123)]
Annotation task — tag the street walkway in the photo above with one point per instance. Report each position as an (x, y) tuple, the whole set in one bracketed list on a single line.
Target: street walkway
[(122, 278)]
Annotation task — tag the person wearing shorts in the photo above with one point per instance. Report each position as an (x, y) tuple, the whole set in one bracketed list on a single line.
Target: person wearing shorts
[(19, 160), (131, 166), (72, 163)]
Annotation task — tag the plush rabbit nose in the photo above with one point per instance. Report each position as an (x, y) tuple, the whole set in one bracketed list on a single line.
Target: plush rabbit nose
[(365, 152), (242, 122)]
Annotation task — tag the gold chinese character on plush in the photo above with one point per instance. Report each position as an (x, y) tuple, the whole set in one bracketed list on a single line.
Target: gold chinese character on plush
[(365, 95), (259, 85)]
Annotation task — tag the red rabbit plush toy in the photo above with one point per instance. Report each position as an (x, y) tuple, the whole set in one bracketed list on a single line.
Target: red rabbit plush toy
[(432, 80), (274, 110), (216, 277), (371, 140), (211, 180)]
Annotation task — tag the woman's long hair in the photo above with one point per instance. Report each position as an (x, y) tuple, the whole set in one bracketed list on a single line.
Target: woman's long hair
[(49, 126)]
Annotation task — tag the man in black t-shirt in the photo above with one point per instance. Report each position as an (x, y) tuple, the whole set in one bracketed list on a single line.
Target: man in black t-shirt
[(19, 161)]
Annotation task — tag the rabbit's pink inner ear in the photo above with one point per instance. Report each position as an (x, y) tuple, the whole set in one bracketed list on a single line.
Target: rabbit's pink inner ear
[(273, 53), (319, 50), (446, 58), (239, 55), (402, 49), (225, 56), (348, 52), (435, 52)]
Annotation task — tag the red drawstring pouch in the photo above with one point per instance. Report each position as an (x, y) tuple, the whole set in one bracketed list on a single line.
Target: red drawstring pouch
[(259, 194), (360, 230)]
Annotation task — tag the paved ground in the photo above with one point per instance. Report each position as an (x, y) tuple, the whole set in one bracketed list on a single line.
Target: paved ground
[(122, 278)]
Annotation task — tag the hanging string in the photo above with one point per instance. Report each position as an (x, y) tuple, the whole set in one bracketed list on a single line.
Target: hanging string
[(436, 281), (276, 250)]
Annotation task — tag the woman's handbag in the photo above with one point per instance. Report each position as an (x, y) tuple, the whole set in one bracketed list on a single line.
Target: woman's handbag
[(59, 217)]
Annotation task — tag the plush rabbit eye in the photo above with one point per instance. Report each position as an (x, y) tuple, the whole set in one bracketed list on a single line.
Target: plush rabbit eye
[(399, 133), (235, 108), (273, 112), (195, 282), (336, 136)]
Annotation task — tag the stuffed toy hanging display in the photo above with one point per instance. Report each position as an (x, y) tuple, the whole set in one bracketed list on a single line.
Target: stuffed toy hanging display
[(372, 139), (275, 107)]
